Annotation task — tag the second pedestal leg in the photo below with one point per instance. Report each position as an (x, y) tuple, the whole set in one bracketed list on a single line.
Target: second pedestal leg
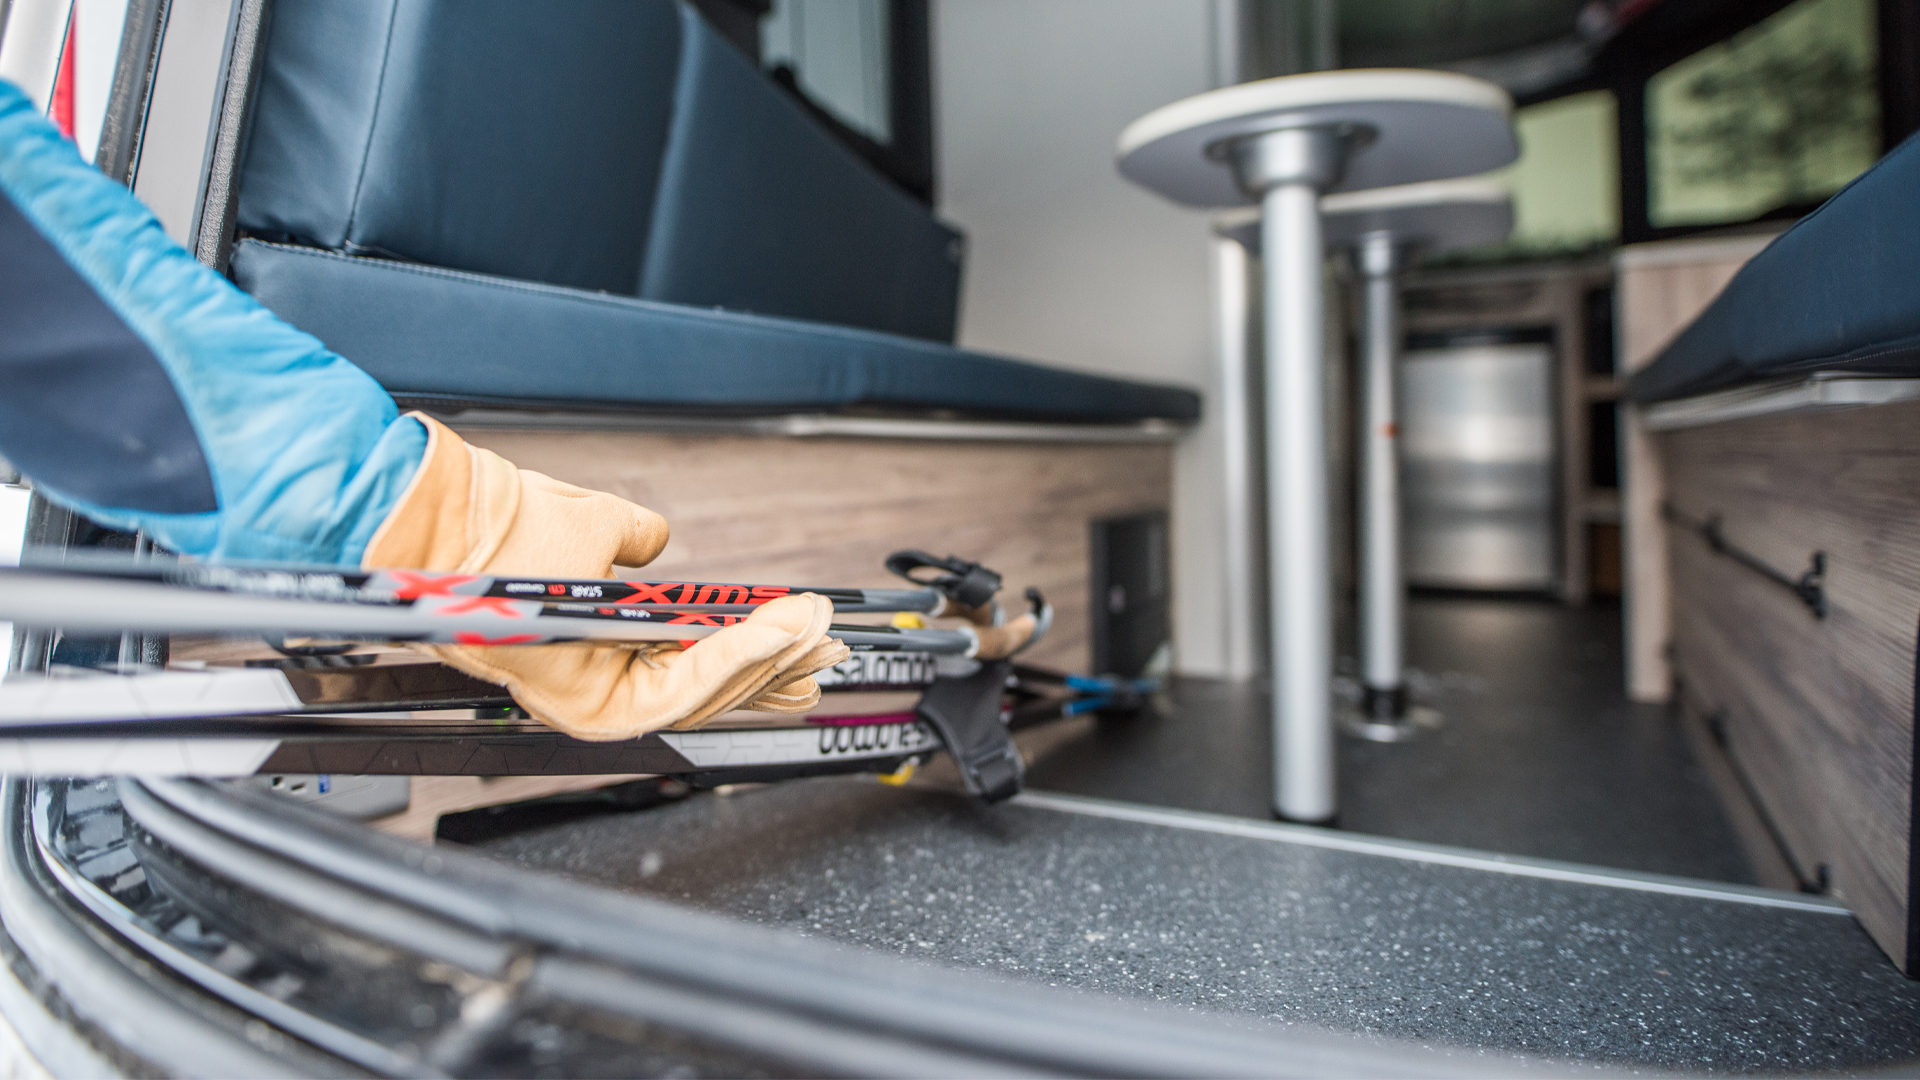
[(1382, 589)]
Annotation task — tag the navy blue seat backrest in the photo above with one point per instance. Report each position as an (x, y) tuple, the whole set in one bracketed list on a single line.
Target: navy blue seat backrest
[(611, 145), (757, 203)]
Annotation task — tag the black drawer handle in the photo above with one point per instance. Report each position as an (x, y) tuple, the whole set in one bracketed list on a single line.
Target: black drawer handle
[(1810, 586)]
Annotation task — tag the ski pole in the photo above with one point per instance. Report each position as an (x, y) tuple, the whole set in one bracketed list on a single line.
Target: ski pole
[(98, 604), (404, 586)]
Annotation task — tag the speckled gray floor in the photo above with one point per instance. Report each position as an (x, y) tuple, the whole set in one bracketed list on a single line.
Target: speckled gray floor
[(1541, 753), (1541, 756), (1353, 941)]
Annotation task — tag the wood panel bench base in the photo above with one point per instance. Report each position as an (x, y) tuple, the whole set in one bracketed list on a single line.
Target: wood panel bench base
[(1816, 713), (827, 511)]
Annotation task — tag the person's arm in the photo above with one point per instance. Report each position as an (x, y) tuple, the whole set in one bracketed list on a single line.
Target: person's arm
[(147, 392)]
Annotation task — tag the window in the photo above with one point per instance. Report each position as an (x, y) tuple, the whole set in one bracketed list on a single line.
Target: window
[(1779, 116), (838, 53), (1566, 186), (862, 67)]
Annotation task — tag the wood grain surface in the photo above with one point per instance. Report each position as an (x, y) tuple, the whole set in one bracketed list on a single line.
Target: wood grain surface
[(1660, 289), (1818, 714), (828, 511)]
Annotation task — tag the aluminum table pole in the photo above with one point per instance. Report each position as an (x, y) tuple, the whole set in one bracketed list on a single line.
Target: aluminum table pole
[(1289, 168), (1382, 587)]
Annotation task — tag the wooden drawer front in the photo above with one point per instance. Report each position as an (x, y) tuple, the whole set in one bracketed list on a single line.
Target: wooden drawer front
[(1818, 713)]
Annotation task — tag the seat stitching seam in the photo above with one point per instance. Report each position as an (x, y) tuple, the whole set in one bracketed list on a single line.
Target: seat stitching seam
[(654, 306)]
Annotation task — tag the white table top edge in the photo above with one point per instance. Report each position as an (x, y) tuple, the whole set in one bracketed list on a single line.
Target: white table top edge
[(1317, 89)]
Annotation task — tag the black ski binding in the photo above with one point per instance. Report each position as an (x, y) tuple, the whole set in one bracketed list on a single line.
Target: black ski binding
[(965, 712), (967, 584)]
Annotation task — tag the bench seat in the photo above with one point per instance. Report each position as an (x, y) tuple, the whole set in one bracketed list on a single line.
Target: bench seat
[(604, 207), (443, 335), (1840, 291)]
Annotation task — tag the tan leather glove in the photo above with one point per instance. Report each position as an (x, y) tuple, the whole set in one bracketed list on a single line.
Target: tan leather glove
[(469, 510)]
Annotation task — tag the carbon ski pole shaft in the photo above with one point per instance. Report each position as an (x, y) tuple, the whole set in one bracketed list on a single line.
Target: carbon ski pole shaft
[(104, 604), (400, 587)]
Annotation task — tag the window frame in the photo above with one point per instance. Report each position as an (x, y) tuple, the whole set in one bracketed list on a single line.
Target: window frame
[(908, 159)]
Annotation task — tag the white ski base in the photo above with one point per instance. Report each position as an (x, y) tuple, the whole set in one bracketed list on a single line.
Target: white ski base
[(43, 703), (795, 746), (153, 695), (209, 758)]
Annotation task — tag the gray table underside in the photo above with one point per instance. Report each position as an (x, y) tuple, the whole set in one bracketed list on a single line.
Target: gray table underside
[(1247, 926)]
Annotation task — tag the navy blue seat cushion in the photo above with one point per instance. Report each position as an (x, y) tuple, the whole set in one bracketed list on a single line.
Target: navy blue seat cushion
[(425, 332), (614, 145), (1840, 290)]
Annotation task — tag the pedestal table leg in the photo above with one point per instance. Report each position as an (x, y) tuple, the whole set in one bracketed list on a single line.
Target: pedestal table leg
[(1291, 167), (1382, 587)]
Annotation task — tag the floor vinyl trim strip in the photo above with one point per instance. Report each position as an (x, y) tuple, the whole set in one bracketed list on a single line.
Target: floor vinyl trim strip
[(1436, 854)]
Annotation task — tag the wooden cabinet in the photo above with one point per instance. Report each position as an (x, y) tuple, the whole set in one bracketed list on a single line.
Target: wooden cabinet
[(1816, 714), (1806, 721)]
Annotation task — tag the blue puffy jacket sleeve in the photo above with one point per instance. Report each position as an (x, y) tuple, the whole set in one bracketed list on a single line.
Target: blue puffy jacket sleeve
[(145, 391)]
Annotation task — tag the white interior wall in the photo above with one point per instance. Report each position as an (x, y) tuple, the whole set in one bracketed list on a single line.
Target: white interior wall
[(1067, 263)]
